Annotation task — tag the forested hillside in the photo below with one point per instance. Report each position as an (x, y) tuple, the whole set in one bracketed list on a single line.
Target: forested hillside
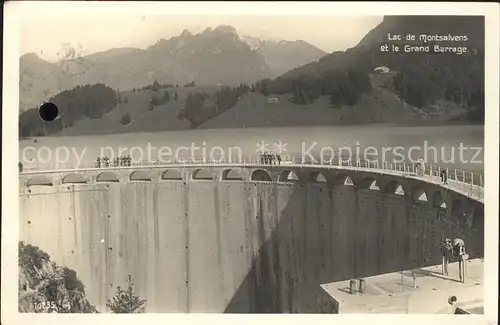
[(344, 87), (202, 106), (91, 101), (424, 78)]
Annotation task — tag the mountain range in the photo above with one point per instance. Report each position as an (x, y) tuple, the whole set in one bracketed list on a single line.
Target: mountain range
[(344, 87), (215, 56)]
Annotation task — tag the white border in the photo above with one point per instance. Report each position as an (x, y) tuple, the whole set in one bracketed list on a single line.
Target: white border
[(13, 10)]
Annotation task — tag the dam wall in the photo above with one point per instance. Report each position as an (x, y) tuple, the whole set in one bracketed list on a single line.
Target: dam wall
[(216, 244)]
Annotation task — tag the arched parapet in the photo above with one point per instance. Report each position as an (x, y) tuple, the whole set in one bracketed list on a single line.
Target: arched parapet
[(141, 176), (439, 200), (260, 175), (231, 175), (289, 176), (74, 179), (460, 212), (394, 187), (107, 177), (369, 182), (171, 175), (202, 174), (341, 179), (420, 195), (41, 180), (319, 177)]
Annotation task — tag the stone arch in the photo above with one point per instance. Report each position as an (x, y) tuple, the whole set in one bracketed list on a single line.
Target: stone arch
[(202, 174), (171, 175), (73, 179), (318, 177), (394, 187), (288, 176), (107, 177), (369, 183), (39, 181), (438, 201), (231, 175), (260, 175), (478, 218), (343, 179), (420, 196), (458, 211), (140, 176)]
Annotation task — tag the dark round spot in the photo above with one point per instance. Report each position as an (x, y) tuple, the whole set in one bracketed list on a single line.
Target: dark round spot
[(48, 111), (29, 222)]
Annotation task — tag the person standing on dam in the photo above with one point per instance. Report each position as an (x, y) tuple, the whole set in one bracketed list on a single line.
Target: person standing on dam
[(444, 176)]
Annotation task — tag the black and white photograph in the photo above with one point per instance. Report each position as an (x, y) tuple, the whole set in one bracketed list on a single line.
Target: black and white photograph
[(252, 163)]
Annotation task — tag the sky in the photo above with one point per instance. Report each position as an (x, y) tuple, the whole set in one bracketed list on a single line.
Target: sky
[(93, 33)]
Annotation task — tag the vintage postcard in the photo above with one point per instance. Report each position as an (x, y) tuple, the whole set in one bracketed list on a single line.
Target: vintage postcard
[(170, 158)]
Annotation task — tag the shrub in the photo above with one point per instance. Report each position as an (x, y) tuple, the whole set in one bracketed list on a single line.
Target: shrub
[(125, 301), (126, 119)]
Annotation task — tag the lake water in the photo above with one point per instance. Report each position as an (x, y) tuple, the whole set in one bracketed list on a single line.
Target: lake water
[(435, 144)]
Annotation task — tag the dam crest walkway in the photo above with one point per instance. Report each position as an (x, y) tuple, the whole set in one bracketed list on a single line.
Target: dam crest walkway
[(462, 182)]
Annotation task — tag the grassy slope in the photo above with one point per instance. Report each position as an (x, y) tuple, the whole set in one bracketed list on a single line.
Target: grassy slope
[(143, 120), (252, 110)]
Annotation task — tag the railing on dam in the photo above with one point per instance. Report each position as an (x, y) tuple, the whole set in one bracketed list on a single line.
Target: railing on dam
[(468, 183)]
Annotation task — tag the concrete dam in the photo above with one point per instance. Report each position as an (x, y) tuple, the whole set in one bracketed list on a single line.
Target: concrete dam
[(240, 239)]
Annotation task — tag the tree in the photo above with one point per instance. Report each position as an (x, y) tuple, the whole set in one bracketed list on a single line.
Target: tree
[(92, 101), (126, 301), (156, 86), (126, 119)]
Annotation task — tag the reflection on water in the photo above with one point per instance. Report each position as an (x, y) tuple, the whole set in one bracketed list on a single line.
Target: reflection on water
[(452, 146)]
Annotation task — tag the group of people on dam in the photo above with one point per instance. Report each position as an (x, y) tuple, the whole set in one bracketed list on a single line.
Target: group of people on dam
[(121, 161), (420, 169), (270, 158)]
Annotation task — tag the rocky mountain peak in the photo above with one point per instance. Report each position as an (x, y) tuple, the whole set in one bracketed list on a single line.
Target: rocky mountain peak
[(186, 33), (225, 29)]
